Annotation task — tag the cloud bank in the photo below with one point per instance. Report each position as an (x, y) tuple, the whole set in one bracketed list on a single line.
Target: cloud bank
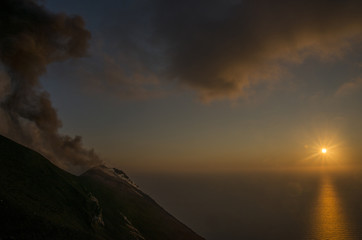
[(220, 49)]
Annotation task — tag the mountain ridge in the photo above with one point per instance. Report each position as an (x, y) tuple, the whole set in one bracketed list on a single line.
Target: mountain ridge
[(41, 201)]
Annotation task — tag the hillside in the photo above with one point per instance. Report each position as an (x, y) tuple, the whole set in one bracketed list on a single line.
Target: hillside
[(41, 201)]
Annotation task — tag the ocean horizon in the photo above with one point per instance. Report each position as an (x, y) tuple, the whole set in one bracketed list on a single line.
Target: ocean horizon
[(319, 204)]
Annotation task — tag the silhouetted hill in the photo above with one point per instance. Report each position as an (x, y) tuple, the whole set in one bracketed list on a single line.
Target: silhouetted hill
[(41, 201)]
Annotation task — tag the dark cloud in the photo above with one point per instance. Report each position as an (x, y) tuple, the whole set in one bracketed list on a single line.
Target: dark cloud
[(217, 48), (222, 48), (31, 38)]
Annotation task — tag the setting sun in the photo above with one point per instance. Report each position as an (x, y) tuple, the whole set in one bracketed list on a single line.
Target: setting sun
[(117, 121)]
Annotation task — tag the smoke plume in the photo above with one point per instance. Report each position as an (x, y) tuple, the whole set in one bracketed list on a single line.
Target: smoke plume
[(31, 38)]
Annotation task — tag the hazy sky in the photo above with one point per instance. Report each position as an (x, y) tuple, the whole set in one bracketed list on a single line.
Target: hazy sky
[(213, 85)]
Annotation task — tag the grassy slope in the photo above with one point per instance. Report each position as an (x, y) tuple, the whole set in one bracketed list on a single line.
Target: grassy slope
[(40, 201), (144, 213)]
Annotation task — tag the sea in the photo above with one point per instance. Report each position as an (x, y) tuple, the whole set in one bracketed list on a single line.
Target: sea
[(263, 204)]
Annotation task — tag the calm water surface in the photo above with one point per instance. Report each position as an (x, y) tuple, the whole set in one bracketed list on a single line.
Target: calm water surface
[(263, 205)]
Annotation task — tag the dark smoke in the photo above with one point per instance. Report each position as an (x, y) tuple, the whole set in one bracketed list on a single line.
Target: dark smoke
[(31, 38)]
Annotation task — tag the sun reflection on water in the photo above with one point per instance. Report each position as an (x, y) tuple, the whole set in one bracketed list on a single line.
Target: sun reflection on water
[(329, 219)]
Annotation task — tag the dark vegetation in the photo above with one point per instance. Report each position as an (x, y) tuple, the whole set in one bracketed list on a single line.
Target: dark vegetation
[(41, 201)]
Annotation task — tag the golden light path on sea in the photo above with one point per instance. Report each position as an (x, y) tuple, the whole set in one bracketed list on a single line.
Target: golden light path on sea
[(329, 218)]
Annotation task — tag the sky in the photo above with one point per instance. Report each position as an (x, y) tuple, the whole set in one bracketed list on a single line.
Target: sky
[(190, 85)]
